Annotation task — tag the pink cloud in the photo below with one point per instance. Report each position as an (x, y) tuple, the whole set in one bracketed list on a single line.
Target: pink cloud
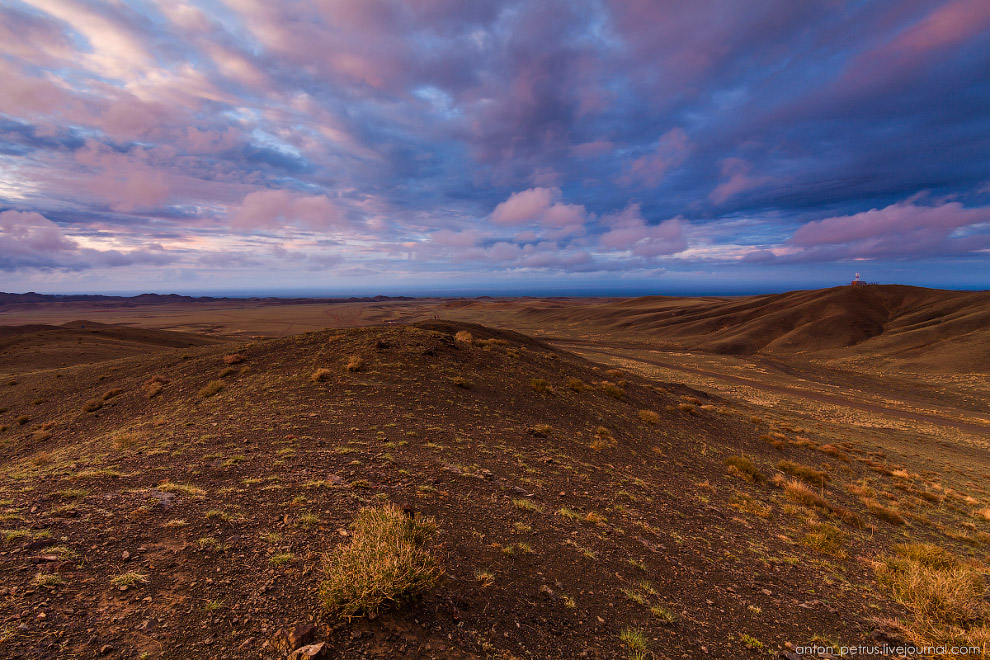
[(630, 231), (544, 207), (672, 149), (277, 209), (736, 173), (902, 228), (30, 240)]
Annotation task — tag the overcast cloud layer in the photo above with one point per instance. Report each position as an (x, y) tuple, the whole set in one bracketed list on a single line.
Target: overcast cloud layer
[(443, 144)]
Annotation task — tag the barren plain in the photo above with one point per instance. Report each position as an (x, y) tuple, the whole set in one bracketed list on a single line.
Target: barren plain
[(639, 478)]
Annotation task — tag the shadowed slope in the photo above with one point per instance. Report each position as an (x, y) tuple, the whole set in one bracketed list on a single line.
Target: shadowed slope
[(79, 342), (935, 328)]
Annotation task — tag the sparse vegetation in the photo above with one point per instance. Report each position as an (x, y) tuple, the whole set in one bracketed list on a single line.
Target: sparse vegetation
[(744, 467), (92, 405), (386, 561), (540, 385), (355, 363), (649, 417), (803, 472), (210, 389), (321, 375)]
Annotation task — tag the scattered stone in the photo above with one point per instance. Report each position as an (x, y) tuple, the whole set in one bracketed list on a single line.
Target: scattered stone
[(309, 652), (125, 555), (285, 640)]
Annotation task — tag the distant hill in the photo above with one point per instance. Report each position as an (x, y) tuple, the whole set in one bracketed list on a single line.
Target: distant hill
[(170, 298), (926, 328)]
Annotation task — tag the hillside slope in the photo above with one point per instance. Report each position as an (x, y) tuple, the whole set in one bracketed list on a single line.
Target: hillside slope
[(77, 342), (180, 505), (926, 327)]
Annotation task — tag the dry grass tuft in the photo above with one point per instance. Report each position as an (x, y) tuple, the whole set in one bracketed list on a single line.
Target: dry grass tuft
[(356, 363), (540, 385), (320, 375), (893, 516), (154, 386), (803, 472), (943, 595), (211, 388), (576, 385), (744, 467), (385, 563), (688, 408), (827, 539), (464, 336), (649, 417), (92, 405), (109, 394), (233, 358), (611, 389)]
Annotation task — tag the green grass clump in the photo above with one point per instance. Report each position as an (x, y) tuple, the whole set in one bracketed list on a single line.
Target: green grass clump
[(386, 562)]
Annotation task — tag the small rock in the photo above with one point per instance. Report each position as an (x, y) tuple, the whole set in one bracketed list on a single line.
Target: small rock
[(766, 592), (125, 555), (309, 652), (547, 591), (787, 655)]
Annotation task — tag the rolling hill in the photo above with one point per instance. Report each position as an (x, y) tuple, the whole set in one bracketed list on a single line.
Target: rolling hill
[(916, 327)]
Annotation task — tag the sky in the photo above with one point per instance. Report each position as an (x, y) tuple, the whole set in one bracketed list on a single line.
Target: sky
[(451, 147)]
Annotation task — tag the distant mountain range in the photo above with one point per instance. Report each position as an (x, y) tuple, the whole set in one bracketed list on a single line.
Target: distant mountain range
[(159, 299)]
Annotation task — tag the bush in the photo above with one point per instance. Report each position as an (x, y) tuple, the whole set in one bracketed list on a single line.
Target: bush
[(92, 405), (356, 363), (109, 394), (22, 420), (385, 563), (233, 358), (464, 336)]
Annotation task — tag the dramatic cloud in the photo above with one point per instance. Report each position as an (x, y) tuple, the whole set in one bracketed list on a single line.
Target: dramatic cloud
[(254, 143)]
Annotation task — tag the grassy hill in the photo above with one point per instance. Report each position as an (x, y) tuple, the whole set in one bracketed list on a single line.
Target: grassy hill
[(191, 502)]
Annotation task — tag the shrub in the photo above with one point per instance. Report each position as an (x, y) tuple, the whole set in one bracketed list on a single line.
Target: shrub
[(92, 405), (649, 417), (320, 375), (687, 407), (461, 381), (22, 420), (464, 336), (746, 468), (385, 563), (803, 472), (211, 388), (233, 358), (356, 363)]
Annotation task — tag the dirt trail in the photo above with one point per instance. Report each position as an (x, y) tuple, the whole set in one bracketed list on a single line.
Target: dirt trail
[(590, 350)]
